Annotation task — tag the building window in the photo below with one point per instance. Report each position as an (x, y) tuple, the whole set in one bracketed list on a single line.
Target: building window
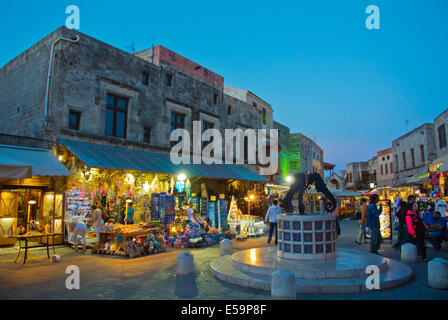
[(146, 134), (116, 116), (264, 116), (381, 170), (254, 104), (229, 109), (205, 126), (74, 119), (422, 153), (384, 158), (145, 78), (177, 122), (386, 169), (215, 98), (169, 79), (404, 160), (396, 162), (442, 136), (413, 158), (391, 168), (388, 157)]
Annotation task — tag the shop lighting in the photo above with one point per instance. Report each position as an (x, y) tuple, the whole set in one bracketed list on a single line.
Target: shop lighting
[(61, 158), (130, 178), (32, 202), (246, 198), (181, 177), (128, 200), (288, 179), (146, 186), (251, 197)]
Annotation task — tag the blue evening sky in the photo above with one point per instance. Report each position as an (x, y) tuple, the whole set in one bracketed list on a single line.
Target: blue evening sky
[(324, 73)]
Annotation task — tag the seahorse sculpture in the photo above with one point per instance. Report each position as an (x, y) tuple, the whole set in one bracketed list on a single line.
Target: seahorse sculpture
[(303, 182)]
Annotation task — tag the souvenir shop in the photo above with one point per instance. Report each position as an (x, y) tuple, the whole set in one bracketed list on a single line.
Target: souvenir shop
[(31, 194), (159, 200)]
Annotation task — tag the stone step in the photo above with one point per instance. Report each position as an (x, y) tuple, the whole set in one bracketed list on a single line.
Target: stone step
[(395, 275), (347, 264)]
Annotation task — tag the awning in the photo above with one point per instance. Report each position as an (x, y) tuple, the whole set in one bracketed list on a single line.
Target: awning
[(417, 178), (41, 162), (11, 169), (444, 168), (108, 157)]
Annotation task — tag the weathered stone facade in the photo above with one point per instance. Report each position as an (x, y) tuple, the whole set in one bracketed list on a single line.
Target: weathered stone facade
[(305, 155), (412, 153), (441, 137), (385, 168), (86, 72)]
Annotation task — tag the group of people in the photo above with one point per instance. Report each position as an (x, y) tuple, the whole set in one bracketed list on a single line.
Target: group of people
[(97, 217), (410, 226)]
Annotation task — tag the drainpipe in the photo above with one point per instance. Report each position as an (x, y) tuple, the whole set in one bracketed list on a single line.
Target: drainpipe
[(49, 72)]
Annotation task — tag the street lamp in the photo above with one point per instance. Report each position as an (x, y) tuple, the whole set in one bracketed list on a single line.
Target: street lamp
[(181, 177), (30, 203)]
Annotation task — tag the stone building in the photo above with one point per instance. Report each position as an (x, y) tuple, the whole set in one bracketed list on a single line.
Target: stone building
[(283, 141), (97, 93), (373, 171), (412, 153), (357, 175), (304, 155), (385, 168), (441, 130)]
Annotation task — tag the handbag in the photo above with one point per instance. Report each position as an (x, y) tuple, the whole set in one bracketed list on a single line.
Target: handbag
[(365, 229)]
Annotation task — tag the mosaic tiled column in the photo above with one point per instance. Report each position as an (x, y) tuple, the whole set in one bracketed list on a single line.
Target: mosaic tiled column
[(306, 237)]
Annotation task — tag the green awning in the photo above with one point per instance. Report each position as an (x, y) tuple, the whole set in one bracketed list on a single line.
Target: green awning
[(108, 157)]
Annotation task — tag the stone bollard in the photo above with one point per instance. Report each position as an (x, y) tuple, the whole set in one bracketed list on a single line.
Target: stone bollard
[(283, 285), (408, 252), (438, 273), (185, 264), (226, 247)]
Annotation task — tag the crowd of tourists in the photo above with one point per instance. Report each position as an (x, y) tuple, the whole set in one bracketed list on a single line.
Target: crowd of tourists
[(413, 225)]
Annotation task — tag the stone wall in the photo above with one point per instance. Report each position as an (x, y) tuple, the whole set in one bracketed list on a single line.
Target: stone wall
[(421, 136)]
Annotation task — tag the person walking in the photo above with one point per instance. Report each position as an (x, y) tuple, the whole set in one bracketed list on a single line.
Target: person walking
[(336, 214), (373, 223), (416, 230), (97, 220), (362, 221), (401, 226), (79, 230), (271, 217)]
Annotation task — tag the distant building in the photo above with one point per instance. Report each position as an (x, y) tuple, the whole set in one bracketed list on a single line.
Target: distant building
[(385, 170), (305, 155), (357, 175), (412, 154), (283, 141), (441, 134), (373, 171)]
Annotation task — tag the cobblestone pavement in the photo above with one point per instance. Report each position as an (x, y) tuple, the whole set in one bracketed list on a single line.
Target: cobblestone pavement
[(153, 277)]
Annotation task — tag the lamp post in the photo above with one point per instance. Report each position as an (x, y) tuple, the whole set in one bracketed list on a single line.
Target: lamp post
[(30, 203)]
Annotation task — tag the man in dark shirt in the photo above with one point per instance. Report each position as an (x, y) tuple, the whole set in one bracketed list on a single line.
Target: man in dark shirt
[(373, 223), (437, 230)]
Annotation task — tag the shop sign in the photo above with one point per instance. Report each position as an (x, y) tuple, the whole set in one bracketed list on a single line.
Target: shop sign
[(212, 198)]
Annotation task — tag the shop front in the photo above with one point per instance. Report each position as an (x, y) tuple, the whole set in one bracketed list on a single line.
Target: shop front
[(157, 192), (32, 183)]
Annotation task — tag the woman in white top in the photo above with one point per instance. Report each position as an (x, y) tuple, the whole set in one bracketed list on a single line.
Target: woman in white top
[(97, 220)]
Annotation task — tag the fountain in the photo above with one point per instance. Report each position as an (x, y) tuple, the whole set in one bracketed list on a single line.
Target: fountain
[(307, 247)]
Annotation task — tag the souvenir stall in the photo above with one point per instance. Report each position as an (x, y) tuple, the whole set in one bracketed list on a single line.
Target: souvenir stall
[(243, 225)]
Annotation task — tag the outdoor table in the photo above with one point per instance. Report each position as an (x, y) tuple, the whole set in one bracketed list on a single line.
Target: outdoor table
[(25, 248)]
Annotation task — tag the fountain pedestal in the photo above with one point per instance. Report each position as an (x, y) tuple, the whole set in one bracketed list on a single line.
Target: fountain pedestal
[(306, 237)]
